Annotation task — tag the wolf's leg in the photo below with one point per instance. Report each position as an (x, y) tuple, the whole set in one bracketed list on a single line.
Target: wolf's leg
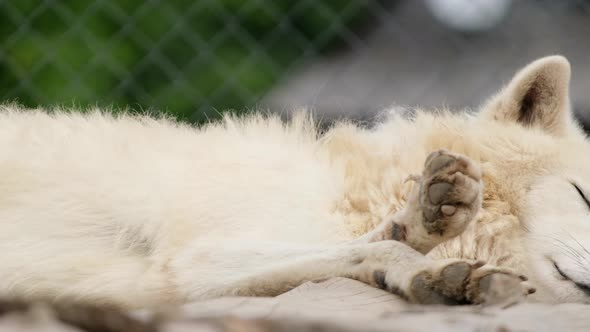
[(267, 269), (446, 199)]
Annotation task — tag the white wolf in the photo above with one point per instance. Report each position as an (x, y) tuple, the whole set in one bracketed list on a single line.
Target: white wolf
[(139, 212)]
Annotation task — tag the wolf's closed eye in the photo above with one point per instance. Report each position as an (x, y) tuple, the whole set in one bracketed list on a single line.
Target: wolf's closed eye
[(581, 192)]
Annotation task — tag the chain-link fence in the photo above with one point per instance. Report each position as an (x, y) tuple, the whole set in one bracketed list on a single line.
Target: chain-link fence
[(194, 59), (190, 58)]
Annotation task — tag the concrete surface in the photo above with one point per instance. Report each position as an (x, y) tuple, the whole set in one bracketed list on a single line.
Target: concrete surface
[(413, 60)]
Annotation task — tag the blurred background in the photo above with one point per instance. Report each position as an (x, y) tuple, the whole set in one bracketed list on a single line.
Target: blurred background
[(340, 58)]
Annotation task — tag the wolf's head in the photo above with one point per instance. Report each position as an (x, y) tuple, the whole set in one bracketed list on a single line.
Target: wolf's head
[(549, 159)]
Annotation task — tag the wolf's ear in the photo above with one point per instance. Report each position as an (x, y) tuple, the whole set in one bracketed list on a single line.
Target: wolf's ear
[(537, 96)]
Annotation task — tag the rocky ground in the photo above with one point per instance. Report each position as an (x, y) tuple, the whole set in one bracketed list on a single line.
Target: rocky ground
[(333, 305)]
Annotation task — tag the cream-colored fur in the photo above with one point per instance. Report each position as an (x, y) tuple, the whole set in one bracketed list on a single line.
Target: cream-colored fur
[(137, 212)]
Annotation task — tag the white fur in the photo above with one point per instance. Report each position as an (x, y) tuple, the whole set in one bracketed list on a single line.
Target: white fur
[(136, 211)]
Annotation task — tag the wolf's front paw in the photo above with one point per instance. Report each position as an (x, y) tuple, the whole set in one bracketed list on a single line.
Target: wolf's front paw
[(450, 193), (456, 281), (492, 285)]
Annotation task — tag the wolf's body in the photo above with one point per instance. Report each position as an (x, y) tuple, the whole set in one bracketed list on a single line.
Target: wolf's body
[(139, 212)]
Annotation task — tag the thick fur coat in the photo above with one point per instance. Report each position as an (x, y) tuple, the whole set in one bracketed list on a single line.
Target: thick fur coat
[(140, 212)]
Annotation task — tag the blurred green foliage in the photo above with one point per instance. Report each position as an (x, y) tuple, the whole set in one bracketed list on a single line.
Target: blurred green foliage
[(190, 59)]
